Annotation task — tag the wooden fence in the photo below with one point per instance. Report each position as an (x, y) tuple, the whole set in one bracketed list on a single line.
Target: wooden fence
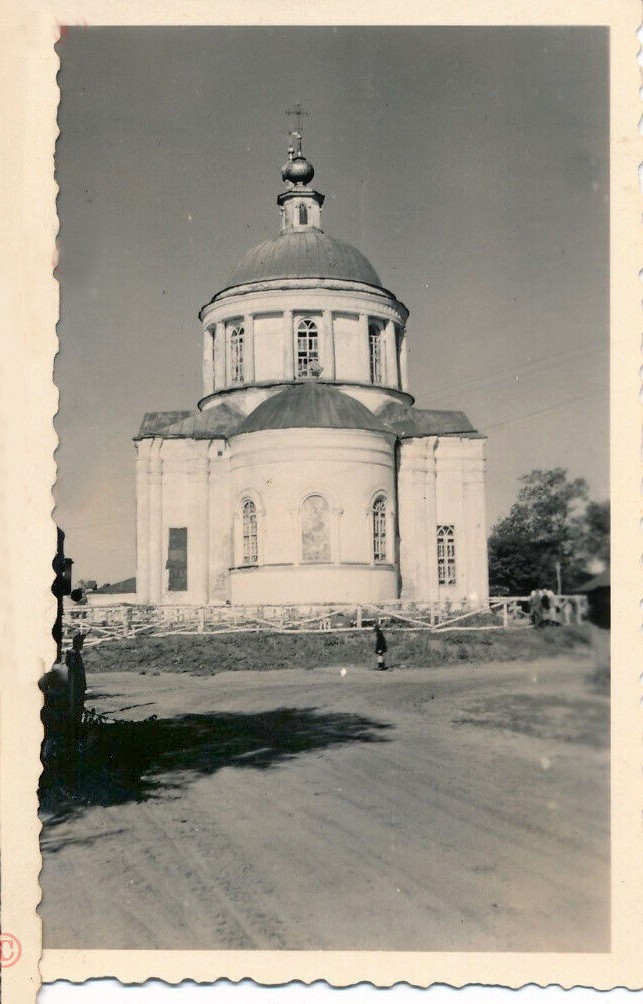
[(110, 623)]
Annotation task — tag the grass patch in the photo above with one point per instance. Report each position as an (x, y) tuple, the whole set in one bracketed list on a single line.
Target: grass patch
[(210, 654)]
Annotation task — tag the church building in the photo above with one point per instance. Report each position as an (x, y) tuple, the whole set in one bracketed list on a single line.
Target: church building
[(305, 474)]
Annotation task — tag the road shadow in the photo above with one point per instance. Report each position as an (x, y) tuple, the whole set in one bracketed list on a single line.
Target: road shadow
[(120, 762)]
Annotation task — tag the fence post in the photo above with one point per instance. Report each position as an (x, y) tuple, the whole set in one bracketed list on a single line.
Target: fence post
[(201, 620), (505, 614), (358, 618)]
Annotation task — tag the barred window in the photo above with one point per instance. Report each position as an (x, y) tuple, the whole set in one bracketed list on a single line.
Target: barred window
[(303, 215), (375, 353), (250, 542), (379, 529), (177, 559), (307, 348), (446, 555), (236, 353)]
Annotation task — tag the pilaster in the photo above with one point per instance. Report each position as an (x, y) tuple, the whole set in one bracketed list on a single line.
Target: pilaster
[(289, 346), (363, 341), (157, 537), (404, 362), (218, 335), (391, 377), (143, 522), (328, 352), (249, 349)]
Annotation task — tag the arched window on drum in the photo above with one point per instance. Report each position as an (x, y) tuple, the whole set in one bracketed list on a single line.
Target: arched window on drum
[(378, 513), (235, 342), (303, 215), (376, 352), (250, 536), (307, 348)]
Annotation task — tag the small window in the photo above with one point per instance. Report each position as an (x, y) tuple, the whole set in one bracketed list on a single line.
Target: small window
[(250, 542), (235, 341), (307, 348), (375, 353), (303, 215), (446, 556), (379, 529), (315, 530), (177, 559)]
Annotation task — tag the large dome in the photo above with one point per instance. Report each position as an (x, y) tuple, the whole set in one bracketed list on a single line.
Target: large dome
[(303, 254)]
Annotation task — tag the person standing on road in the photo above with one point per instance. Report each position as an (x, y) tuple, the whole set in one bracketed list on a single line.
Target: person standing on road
[(77, 679), (380, 646)]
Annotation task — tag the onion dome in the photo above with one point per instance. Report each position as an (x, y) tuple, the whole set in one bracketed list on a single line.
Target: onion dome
[(298, 169), (310, 405), (299, 254)]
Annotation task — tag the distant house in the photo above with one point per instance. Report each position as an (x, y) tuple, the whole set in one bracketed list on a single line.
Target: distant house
[(113, 592), (597, 591)]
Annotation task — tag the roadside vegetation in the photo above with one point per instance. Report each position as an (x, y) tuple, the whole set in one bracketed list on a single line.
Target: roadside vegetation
[(210, 654)]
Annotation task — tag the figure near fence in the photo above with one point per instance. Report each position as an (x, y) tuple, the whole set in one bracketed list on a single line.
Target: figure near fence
[(380, 646)]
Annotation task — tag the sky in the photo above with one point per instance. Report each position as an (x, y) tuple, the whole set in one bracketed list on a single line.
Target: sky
[(470, 166)]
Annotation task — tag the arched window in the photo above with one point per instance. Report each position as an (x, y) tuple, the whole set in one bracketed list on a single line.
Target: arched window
[(303, 215), (379, 528), (375, 353), (307, 348), (446, 556), (250, 543), (236, 353), (315, 530)]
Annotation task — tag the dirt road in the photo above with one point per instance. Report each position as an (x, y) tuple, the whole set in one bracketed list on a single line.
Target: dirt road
[(453, 809)]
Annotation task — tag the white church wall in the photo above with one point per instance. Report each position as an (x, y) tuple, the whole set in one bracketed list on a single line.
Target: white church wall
[(313, 584), (183, 506), (174, 479), (351, 348), (218, 545), (143, 520), (281, 468), (269, 339), (417, 519), (460, 503), (450, 512), (475, 516)]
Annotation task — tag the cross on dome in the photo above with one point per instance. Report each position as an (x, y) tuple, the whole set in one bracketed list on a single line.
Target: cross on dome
[(298, 170), (296, 112)]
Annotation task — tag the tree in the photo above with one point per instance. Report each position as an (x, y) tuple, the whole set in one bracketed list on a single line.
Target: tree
[(550, 522)]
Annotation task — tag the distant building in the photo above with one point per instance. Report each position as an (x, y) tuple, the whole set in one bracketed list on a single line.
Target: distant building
[(306, 475), (112, 593)]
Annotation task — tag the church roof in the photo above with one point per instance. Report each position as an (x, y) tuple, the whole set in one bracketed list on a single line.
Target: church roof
[(311, 405), (154, 421), (307, 405), (214, 423), (410, 423), (303, 254)]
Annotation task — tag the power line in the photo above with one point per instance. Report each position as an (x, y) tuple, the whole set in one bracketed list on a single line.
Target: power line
[(544, 411), (549, 360)]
